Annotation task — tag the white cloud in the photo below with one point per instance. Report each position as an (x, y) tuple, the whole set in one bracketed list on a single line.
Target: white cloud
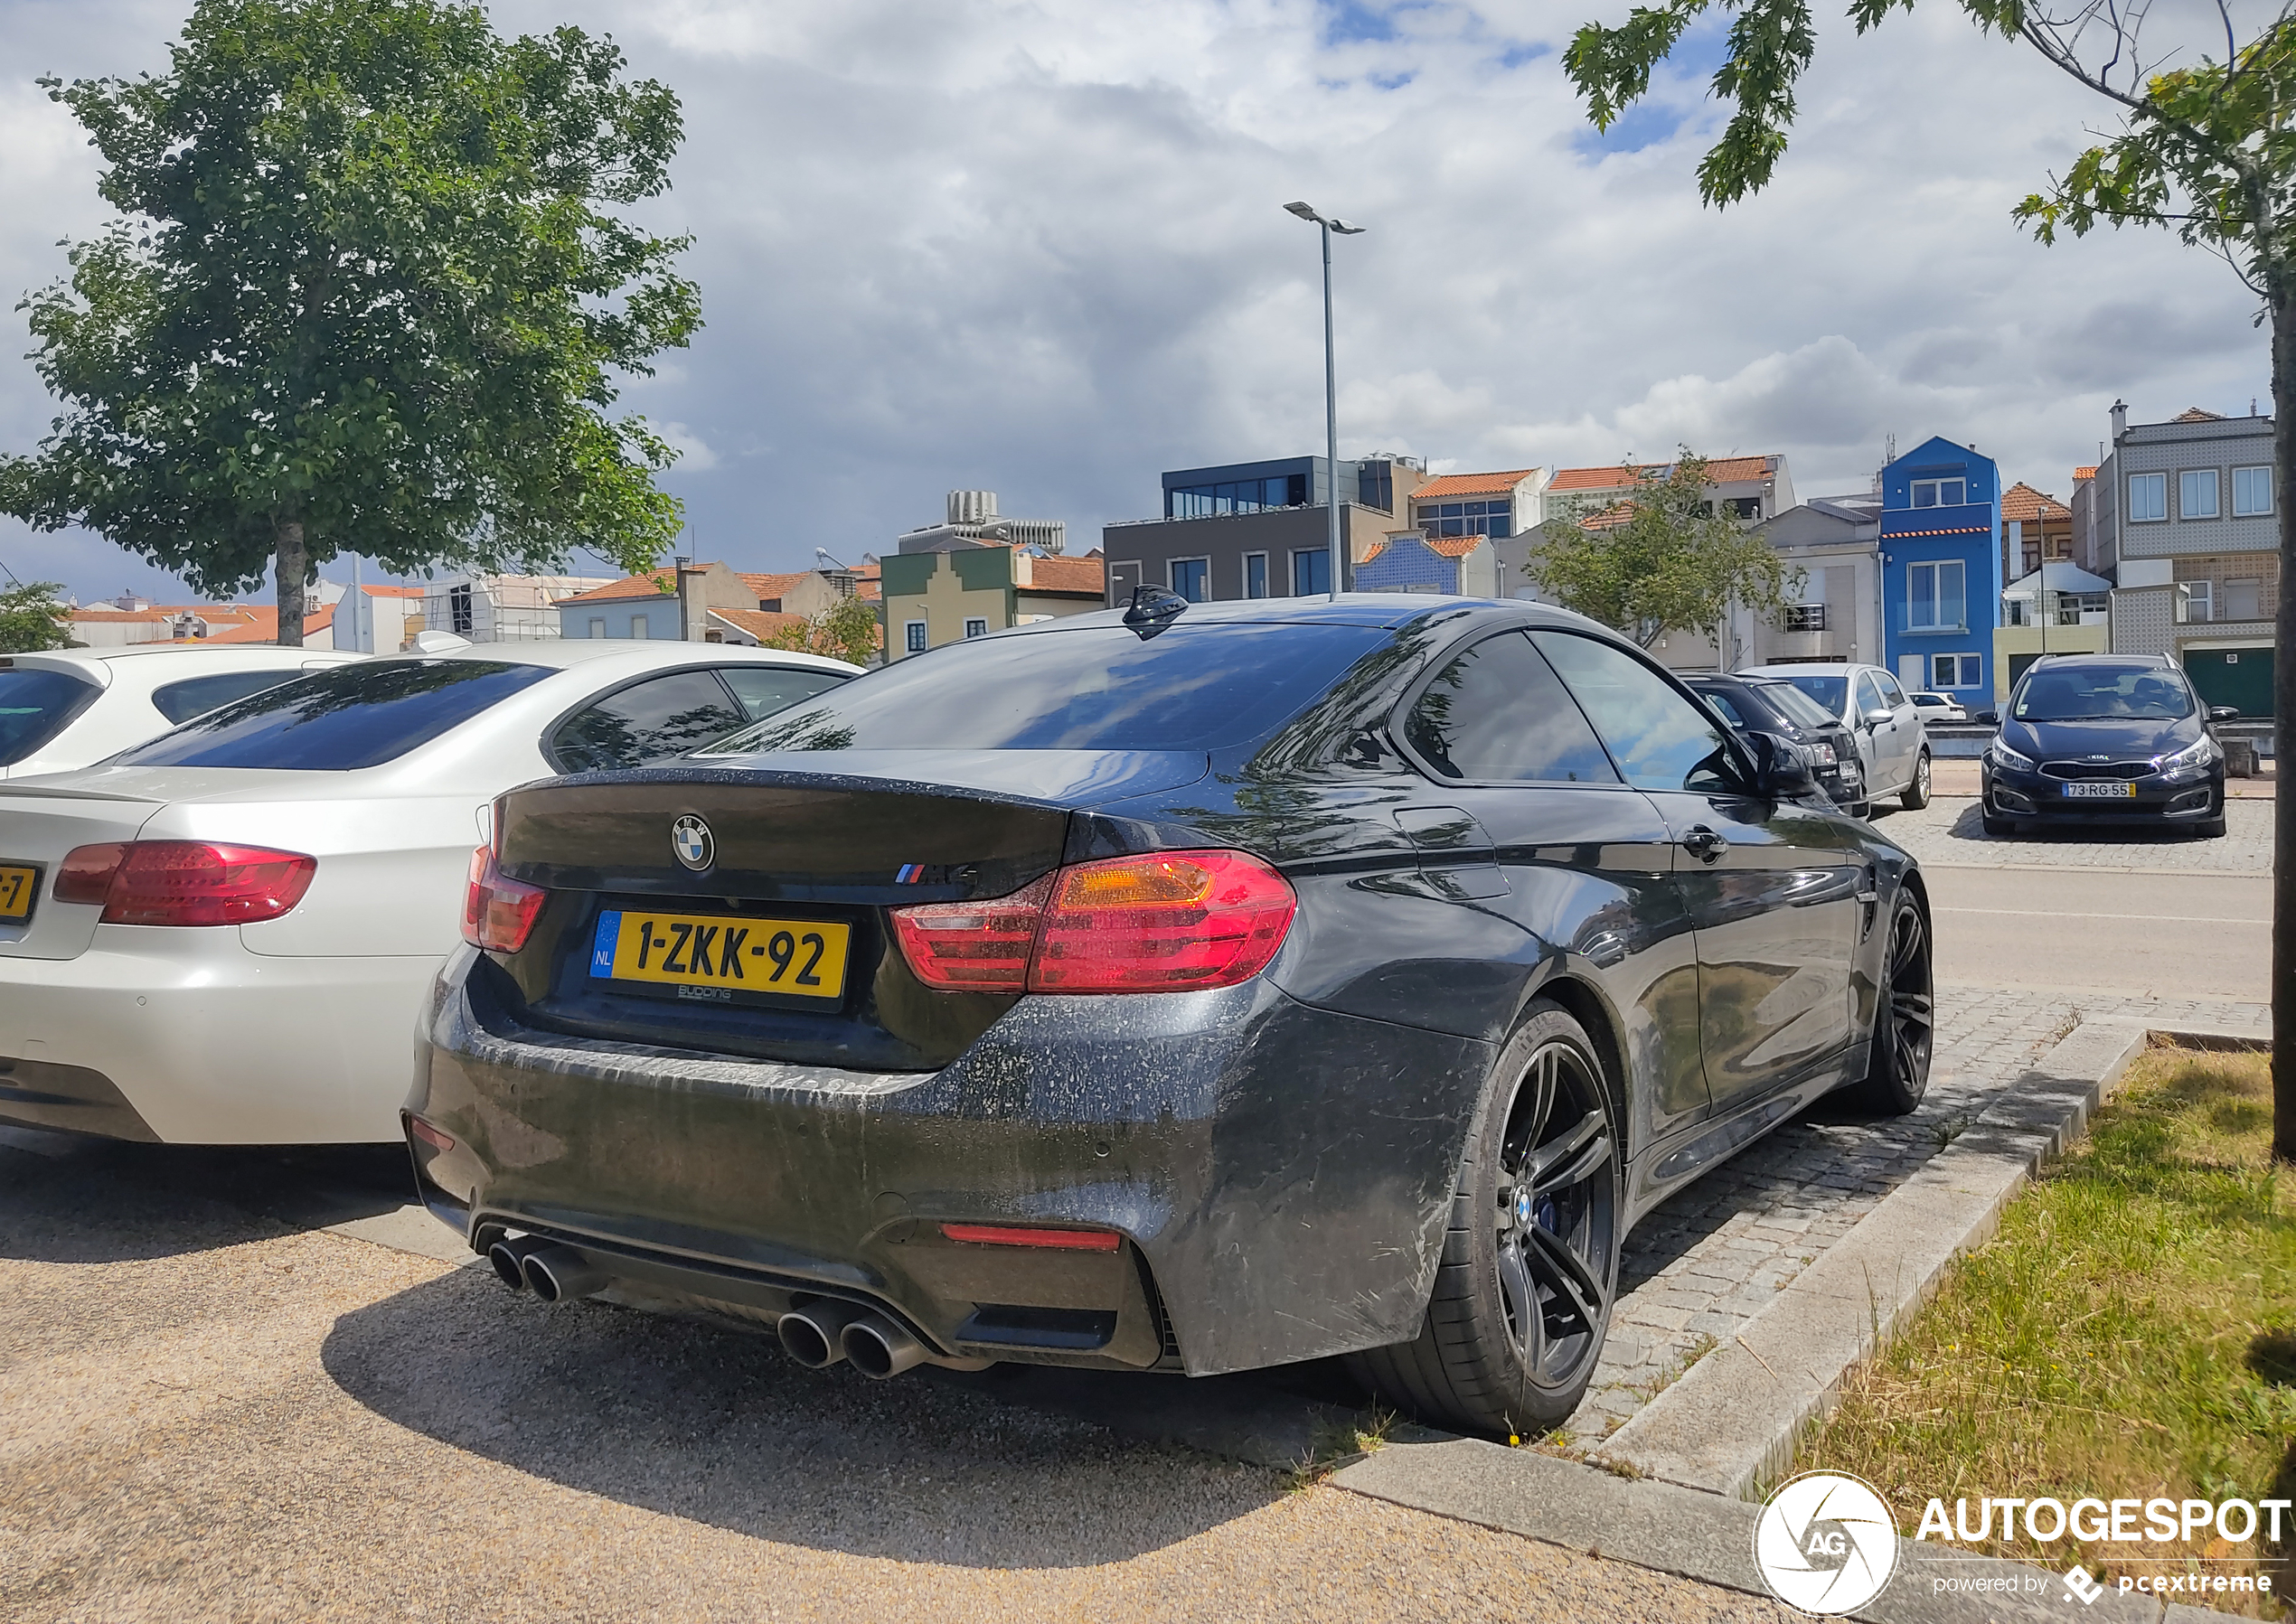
[(1037, 246)]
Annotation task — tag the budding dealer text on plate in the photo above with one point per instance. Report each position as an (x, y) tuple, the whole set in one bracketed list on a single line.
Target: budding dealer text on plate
[(720, 956)]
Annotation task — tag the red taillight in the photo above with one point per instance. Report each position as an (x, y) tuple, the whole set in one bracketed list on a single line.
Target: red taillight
[(1058, 1240), (184, 882), (498, 912), (1167, 921), (429, 1135)]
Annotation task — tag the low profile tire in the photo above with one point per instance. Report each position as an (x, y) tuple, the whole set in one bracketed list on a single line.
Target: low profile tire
[(2000, 829), (1916, 794), (1522, 1297), (1905, 1025)]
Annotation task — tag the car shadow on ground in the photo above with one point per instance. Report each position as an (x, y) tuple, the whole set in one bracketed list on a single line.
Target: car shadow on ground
[(1969, 825), (716, 1424), (152, 1201)]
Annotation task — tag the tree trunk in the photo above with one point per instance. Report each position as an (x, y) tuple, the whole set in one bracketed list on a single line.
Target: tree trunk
[(2283, 301), (293, 564)]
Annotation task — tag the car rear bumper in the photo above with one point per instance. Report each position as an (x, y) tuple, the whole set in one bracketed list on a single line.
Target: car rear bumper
[(186, 1037), (1280, 1176)]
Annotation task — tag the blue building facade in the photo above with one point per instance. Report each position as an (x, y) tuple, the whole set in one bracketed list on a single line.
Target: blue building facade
[(1941, 569)]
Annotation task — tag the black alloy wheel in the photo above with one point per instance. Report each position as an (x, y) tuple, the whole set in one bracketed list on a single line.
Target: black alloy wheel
[(1522, 1296), (1905, 1021)]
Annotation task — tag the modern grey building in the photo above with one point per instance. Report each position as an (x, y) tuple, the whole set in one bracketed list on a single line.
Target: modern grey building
[(2188, 529), (1835, 542), (1259, 530)]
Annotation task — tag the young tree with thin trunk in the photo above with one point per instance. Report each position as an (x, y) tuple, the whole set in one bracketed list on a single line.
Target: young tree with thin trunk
[(367, 291), (1664, 558), (2206, 148)]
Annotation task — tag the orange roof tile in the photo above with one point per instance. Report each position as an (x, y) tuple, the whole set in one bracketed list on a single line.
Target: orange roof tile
[(1719, 471), (2193, 414), (388, 591), (1471, 484), (1452, 547), (760, 624), (2026, 505), (2085, 471), (118, 616), (629, 586), (1068, 575), (770, 587)]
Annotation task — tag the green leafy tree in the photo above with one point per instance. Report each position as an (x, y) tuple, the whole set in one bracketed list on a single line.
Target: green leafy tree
[(366, 291), (2206, 148), (847, 630), (1663, 558), (33, 617)]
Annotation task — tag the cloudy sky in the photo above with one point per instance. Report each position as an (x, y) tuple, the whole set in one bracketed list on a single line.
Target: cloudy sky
[(1038, 246)]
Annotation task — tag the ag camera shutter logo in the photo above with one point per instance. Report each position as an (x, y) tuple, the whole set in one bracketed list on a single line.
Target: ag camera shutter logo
[(1826, 1542)]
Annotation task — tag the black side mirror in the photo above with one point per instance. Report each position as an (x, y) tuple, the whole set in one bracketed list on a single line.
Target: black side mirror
[(1992, 719), (1781, 768), (2224, 713)]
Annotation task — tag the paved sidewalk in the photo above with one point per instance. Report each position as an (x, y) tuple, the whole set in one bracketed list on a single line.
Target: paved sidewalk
[(1948, 832), (1703, 1265)]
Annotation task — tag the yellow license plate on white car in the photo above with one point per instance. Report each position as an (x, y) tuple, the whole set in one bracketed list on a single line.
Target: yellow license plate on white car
[(722, 953), (19, 885), (2100, 792)]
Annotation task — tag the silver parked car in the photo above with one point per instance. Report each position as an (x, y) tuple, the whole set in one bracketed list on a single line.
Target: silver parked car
[(1880, 716)]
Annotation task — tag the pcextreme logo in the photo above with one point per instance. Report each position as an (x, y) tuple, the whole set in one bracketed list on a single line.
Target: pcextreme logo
[(1826, 1542)]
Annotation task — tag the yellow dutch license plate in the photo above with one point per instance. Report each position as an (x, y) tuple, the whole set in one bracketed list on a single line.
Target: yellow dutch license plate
[(725, 953), (18, 887)]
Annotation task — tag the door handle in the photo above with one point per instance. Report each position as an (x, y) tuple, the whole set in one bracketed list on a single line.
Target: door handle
[(1704, 844)]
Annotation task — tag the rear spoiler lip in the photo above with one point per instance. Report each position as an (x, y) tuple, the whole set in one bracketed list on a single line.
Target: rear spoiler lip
[(29, 790), (799, 778)]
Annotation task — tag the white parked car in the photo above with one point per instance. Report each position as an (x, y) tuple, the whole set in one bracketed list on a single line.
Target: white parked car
[(223, 935), (72, 706), (1938, 708)]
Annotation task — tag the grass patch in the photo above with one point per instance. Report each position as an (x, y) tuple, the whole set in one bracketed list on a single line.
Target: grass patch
[(2131, 1333)]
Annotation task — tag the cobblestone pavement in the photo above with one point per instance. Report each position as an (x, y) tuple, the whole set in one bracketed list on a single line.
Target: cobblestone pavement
[(1947, 833), (1700, 1267)]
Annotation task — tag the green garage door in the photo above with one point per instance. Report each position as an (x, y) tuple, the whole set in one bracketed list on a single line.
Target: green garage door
[(2242, 677)]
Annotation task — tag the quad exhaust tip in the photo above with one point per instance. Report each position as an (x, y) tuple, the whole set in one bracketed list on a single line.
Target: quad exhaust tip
[(558, 1274), (813, 1334), (508, 1258), (879, 1348)]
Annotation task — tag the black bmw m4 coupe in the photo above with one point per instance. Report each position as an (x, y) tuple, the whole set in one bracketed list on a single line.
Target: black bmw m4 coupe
[(1196, 987)]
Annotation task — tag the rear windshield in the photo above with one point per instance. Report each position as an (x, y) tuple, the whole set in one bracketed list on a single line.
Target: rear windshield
[(1798, 707), (350, 717), (1094, 688), (195, 696), (1827, 690), (34, 706)]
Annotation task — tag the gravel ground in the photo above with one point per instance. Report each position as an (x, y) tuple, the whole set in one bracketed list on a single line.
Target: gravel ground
[(207, 1416), (1949, 831)]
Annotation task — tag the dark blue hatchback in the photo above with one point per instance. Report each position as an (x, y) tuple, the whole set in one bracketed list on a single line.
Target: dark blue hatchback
[(2105, 739)]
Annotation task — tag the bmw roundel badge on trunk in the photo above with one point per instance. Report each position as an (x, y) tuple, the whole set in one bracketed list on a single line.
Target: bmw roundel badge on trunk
[(690, 837)]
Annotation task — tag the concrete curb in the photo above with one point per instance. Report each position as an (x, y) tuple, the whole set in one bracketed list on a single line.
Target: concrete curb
[(1734, 1416), (1699, 1536)]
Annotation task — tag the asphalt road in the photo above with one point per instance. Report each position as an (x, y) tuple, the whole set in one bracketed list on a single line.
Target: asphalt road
[(2144, 933)]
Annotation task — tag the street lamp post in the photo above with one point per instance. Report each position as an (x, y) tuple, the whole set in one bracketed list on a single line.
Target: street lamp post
[(1324, 227)]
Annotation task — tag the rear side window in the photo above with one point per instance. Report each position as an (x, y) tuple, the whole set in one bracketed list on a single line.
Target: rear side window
[(1497, 715), (1659, 739), (35, 705), (195, 696), (341, 719), (1721, 702), (648, 721), (766, 689), (1087, 688), (1892, 695)]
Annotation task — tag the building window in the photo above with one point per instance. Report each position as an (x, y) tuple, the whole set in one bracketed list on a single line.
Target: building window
[(913, 636), (1191, 578), (1956, 670), (1311, 572), (2147, 498), (1806, 617), (2197, 493), (638, 626), (1933, 596), (1375, 486), (458, 613), (598, 626), (1492, 519), (2200, 600), (1236, 496), (1745, 507), (977, 627), (1254, 575), (1940, 493), (2244, 599), (2252, 491)]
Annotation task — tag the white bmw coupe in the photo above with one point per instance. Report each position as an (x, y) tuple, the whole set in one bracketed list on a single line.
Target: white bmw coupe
[(223, 935)]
